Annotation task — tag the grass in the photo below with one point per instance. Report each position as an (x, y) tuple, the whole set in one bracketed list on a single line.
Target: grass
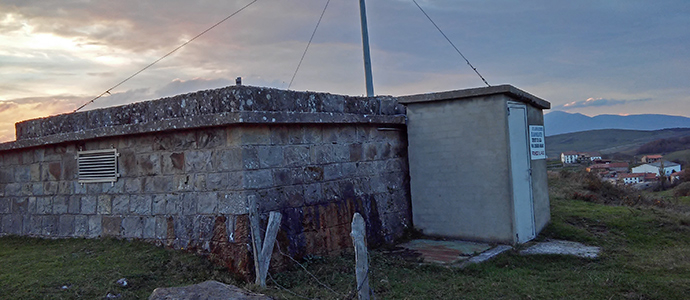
[(646, 255), (39, 268)]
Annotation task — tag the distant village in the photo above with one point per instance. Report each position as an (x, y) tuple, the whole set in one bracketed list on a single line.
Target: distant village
[(649, 171)]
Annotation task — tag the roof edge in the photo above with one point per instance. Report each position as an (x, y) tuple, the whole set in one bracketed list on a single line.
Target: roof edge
[(505, 89)]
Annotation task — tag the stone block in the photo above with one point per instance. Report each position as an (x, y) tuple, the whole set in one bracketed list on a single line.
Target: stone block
[(199, 182), (5, 205), (250, 158), (189, 203), (257, 179), (60, 205), (35, 172), (313, 174), (50, 225), (207, 203), (173, 204), (81, 225), (149, 228), (6, 223), (13, 189), (89, 204), (233, 203), (296, 155), (159, 203), (112, 226), (280, 135), (183, 182), (210, 138), (120, 204), (133, 185), (95, 225), (173, 163), (235, 180), (332, 172), (132, 227), (44, 205), (161, 229), (270, 156), (198, 161), (37, 188), (50, 188), (162, 184), (65, 188), (105, 204), (255, 135), (227, 159), (66, 226), (312, 193), (216, 181), (293, 196), (32, 225), (22, 173), (140, 204), (148, 164)]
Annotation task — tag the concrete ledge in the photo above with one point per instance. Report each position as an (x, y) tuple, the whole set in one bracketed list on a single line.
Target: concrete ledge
[(210, 120), (510, 90), (218, 107)]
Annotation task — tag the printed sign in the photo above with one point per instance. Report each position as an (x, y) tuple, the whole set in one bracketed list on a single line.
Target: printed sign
[(536, 142)]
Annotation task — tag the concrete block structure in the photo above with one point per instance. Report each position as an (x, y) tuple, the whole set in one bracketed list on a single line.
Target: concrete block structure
[(181, 170), (188, 165), (472, 171)]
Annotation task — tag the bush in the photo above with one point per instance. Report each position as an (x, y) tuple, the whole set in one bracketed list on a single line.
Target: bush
[(682, 189)]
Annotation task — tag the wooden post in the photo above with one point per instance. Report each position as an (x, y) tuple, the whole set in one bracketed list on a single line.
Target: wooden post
[(361, 256), (256, 235), (262, 253), (274, 219)]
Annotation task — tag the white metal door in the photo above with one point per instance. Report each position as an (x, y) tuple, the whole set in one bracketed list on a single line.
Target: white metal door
[(521, 172)]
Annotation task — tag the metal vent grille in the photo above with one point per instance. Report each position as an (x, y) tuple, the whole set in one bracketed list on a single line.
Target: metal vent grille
[(98, 166)]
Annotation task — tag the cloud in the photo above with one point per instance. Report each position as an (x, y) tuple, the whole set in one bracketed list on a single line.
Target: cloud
[(17, 110), (598, 102)]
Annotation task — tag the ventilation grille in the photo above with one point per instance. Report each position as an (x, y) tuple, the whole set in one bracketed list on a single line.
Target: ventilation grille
[(97, 166)]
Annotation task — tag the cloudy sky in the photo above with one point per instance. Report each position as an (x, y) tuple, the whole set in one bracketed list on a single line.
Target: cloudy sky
[(592, 57)]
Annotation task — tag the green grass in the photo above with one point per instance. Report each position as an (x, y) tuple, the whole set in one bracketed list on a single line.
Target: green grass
[(646, 255), (37, 268)]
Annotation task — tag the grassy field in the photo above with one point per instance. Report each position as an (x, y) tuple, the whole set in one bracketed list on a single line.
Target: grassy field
[(645, 241)]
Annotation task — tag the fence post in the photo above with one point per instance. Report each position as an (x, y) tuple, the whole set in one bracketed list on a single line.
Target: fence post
[(256, 235), (262, 253), (274, 219), (361, 257)]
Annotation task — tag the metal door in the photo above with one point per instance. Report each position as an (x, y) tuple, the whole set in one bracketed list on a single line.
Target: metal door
[(523, 207)]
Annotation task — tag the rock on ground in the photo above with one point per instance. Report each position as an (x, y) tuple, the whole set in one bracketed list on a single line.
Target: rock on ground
[(564, 248), (207, 290)]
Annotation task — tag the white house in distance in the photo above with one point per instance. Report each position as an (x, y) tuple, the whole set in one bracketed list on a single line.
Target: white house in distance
[(569, 157), (669, 168), (630, 178)]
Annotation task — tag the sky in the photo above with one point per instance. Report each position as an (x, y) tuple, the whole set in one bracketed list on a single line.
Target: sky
[(587, 56)]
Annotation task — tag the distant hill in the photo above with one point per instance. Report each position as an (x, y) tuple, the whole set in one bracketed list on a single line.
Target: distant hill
[(608, 140), (559, 122)]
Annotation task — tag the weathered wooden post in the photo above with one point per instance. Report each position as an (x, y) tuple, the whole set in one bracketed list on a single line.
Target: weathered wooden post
[(262, 253), (361, 256)]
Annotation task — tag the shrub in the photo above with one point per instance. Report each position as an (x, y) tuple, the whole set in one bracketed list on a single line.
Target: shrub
[(682, 189)]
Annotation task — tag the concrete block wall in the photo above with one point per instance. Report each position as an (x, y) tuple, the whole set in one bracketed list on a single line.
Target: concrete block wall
[(188, 188)]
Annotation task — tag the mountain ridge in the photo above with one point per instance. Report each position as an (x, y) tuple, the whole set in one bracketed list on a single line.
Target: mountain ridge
[(560, 122)]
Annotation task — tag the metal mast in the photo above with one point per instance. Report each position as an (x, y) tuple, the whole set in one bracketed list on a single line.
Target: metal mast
[(365, 48)]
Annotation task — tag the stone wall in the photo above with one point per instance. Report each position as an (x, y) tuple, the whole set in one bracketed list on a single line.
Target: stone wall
[(190, 163)]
